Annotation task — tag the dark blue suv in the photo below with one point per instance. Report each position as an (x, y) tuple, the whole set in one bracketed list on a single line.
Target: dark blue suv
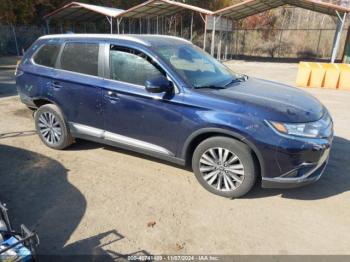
[(163, 96)]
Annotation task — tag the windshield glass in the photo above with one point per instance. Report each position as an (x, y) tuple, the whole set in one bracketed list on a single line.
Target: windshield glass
[(196, 66)]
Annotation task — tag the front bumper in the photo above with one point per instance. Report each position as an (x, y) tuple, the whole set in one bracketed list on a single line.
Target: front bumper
[(313, 173)]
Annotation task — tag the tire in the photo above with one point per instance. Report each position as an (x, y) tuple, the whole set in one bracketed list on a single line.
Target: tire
[(238, 172), (52, 128)]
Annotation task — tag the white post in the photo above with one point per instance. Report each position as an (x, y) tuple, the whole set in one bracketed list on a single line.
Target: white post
[(340, 26), (220, 40), (111, 25), (140, 22), (48, 26), (181, 25), (205, 32), (212, 51), (110, 21), (148, 25), (191, 30), (16, 43)]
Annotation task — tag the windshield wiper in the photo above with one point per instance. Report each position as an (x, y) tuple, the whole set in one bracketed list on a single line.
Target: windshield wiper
[(241, 78), (209, 87)]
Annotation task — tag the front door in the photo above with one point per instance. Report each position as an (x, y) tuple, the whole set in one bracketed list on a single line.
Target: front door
[(132, 115)]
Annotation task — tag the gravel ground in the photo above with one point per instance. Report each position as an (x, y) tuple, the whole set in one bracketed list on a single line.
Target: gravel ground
[(95, 199)]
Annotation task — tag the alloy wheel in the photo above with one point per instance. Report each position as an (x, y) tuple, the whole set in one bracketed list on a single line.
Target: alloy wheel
[(221, 169), (50, 128)]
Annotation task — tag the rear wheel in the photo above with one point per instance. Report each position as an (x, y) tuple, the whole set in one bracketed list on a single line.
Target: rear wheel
[(51, 127), (224, 166)]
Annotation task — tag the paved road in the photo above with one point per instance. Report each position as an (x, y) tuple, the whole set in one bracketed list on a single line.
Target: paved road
[(97, 199)]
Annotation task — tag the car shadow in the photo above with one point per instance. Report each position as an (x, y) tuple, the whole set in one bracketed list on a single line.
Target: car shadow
[(334, 181), (39, 195)]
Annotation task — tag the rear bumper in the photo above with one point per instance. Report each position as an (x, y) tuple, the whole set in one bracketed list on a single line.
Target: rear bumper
[(309, 177)]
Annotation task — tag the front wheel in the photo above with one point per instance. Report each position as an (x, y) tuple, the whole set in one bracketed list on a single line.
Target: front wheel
[(224, 166)]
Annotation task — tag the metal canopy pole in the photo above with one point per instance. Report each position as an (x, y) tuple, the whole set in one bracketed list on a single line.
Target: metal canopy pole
[(48, 26), (205, 32), (180, 25), (218, 55), (191, 30), (157, 26), (110, 21), (118, 26), (212, 51), (340, 26), (140, 21)]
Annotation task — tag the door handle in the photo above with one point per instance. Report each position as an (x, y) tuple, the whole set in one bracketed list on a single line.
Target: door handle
[(111, 95), (56, 85)]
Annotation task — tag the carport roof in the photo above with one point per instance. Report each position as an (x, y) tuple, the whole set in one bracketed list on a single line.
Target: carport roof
[(154, 8), (83, 12), (252, 7)]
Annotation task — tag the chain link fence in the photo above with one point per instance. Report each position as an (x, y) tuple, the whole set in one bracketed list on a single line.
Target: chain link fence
[(268, 43), (285, 43), (15, 39)]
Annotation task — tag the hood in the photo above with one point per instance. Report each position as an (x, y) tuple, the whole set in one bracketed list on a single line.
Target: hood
[(273, 101)]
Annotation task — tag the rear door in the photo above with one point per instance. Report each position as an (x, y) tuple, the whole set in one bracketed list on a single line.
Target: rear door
[(77, 85)]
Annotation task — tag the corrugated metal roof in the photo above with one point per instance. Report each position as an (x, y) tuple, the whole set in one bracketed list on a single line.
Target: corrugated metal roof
[(154, 8), (252, 7), (86, 12), (83, 12)]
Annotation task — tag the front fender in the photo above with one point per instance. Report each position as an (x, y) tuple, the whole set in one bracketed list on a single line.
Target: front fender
[(226, 132)]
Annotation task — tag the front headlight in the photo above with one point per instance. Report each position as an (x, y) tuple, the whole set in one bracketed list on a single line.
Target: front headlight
[(319, 129)]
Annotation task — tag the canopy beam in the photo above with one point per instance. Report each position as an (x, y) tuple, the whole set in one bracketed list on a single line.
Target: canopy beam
[(337, 36)]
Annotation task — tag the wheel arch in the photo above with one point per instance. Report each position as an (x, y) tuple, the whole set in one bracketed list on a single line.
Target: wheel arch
[(40, 101), (200, 135)]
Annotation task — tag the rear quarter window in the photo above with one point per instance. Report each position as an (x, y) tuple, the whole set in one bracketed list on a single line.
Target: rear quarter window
[(81, 58), (47, 55)]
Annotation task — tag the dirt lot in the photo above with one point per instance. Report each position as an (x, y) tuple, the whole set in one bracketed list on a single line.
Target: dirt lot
[(94, 199)]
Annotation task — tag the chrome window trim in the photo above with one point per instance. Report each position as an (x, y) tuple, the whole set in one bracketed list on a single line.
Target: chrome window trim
[(109, 136), (98, 77)]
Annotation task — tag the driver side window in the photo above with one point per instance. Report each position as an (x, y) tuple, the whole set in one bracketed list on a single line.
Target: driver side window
[(131, 66)]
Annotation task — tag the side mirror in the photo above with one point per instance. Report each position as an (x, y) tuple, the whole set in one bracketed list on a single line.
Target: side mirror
[(158, 85)]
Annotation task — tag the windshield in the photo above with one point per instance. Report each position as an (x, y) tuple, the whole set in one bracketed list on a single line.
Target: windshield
[(196, 66)]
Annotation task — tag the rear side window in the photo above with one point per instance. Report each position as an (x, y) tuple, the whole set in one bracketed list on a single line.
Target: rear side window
[(47, 55), (132, 66), (80, 58)]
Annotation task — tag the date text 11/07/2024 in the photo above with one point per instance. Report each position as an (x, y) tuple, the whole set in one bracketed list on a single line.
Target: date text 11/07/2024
[(173, 258)]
